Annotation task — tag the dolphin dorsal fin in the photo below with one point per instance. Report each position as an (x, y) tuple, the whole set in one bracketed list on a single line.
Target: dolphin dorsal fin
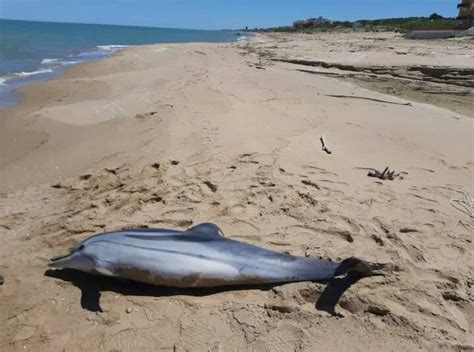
[(206, 229)]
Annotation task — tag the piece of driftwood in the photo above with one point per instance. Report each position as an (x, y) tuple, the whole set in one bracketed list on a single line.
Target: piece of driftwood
[(325, 147), (365, 98), (386, 174), (465, 204), (461, 93), (330, 74)]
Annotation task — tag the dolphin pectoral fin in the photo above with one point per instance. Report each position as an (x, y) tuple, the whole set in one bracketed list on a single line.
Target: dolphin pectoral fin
[(105, 272), (206, 229)]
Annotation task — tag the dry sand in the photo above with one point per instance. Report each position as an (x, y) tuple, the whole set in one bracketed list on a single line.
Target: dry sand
[(174, 135)]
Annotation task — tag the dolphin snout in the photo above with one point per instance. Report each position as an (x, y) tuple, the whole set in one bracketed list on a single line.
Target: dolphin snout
[(74, 260), (60, 261)]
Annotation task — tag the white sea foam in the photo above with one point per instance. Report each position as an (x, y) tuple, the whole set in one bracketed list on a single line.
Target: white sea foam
[(242, 38), (18, 75), (33, 73), (72, 62), (111, 47), (103, 50), (55, 63), (88, 53), (49, 61)]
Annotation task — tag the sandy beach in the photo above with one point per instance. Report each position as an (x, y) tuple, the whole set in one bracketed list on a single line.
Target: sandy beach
[(177, 134)]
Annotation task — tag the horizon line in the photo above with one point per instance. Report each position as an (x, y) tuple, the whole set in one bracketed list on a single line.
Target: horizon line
[(115, 25)]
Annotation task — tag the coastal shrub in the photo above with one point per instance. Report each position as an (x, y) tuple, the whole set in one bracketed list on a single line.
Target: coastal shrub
[(401, 25)]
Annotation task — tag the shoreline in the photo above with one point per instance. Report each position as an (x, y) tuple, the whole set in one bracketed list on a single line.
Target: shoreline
[(11, 96), (26, 123), (170, 136), (44, 55)]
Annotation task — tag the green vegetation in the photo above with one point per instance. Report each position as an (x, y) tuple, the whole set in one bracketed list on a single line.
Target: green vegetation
[(406, 24)]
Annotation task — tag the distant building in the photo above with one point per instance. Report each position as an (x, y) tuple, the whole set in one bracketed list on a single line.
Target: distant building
[(466, 11)]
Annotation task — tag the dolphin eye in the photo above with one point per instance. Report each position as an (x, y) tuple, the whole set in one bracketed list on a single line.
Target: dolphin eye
[(81, 247)]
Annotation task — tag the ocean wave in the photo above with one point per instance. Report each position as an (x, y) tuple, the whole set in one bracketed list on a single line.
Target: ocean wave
[(19, 75), (112, 47), (87, 54), (242, 38), (72, 62), (49, 61), (33, 73), (102, 50), (50, 65)]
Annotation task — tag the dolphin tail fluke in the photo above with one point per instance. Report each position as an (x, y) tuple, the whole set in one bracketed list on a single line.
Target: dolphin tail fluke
[(361, 268)]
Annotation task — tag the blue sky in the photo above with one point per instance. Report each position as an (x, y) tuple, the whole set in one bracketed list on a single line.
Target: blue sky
[(216, 14)]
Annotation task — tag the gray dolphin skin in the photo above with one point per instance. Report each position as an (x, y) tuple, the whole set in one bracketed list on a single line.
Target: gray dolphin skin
[(198, 257)]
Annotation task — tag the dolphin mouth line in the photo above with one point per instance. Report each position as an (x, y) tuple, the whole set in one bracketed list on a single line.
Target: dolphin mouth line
[(72, 251), (59, 257)]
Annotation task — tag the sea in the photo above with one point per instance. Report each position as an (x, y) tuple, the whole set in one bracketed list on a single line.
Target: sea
[(36, 51)]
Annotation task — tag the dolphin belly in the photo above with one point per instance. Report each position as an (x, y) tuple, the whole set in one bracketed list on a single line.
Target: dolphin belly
[(164, 266)]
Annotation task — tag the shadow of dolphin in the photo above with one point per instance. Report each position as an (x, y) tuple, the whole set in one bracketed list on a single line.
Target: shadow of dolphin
[(333, 292), (91, 287)]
